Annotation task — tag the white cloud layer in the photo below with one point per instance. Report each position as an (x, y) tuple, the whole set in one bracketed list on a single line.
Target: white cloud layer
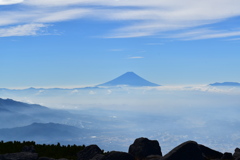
[(21, 30), (152, 17), (9, 2)]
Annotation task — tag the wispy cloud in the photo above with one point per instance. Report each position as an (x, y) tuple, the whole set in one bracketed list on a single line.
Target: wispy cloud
[(9, 2), (22, 30), (205, 34), (146, 18)]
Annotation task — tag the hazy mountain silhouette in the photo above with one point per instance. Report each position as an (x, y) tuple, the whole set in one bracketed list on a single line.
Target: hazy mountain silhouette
[(16, 106), (230, 84), (129, 79), (14, 114), (41, 132)]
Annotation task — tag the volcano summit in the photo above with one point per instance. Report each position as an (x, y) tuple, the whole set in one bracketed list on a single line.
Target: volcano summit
[(129, 79)]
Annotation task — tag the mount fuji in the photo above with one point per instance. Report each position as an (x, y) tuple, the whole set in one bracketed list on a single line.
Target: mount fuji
[(129, 79)]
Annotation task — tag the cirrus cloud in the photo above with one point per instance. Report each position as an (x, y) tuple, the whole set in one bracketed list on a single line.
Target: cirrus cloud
[(22, 30), (9, 2), (146, 18)]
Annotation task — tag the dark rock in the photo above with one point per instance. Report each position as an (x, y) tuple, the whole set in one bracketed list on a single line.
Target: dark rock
[(30, 149), (153, 157), (227, 156), (143, 147), (89, 152), (236, 153), (185, 151), (98, 157), (20, 156), (210, 153), (114, 155), (45, 158)]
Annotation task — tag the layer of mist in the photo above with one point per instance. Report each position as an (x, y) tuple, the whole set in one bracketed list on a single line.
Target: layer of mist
[(114, 117)]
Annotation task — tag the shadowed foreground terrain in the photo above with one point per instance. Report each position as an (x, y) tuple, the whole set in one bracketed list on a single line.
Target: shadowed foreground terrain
[(141, 149)]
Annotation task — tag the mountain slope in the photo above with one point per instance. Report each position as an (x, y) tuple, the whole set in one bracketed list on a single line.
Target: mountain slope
[(15, 114), (16, 106), (129, 79), (42, 133)]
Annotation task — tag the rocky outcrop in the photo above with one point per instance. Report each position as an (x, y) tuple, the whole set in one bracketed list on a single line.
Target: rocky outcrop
[(236, 154), (114, 155), (185, 151), (153, 157), (143, 147), (20, 156), (209, 153), (97, 157), (89, 152), (227, 156), (45, 158)]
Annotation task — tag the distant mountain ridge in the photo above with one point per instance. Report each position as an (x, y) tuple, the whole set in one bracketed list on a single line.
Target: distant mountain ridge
[(230, 84), (11, 105), (129, 79), (15, 113), (42, 131)]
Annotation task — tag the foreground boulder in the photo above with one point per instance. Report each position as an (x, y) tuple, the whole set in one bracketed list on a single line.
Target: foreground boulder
[(97, 157), (227, 156), (236, 154), (185, 151), (153, 157), (115, 155), (210, 153), (89, 152), (143, 147)]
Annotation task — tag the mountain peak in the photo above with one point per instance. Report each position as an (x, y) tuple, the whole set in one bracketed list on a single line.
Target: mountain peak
[(129, 79)]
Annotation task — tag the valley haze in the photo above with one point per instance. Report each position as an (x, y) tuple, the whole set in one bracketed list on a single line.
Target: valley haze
[(113, 116)]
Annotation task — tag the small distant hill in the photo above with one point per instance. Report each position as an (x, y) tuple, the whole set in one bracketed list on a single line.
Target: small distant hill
[(229, 84), (14, 113), (41, 131), (48, 133), (129, 79)]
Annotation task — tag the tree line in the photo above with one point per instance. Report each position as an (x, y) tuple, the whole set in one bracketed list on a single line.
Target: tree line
[(44, 150)]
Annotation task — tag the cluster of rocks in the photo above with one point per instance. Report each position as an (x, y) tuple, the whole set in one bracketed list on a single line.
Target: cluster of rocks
[(141, 149), (145, 149)]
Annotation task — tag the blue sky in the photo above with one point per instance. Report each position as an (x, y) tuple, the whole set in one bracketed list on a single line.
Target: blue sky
[(59, 43)]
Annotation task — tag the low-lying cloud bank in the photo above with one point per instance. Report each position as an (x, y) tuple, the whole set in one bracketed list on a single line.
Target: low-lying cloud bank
[(129, 98)]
